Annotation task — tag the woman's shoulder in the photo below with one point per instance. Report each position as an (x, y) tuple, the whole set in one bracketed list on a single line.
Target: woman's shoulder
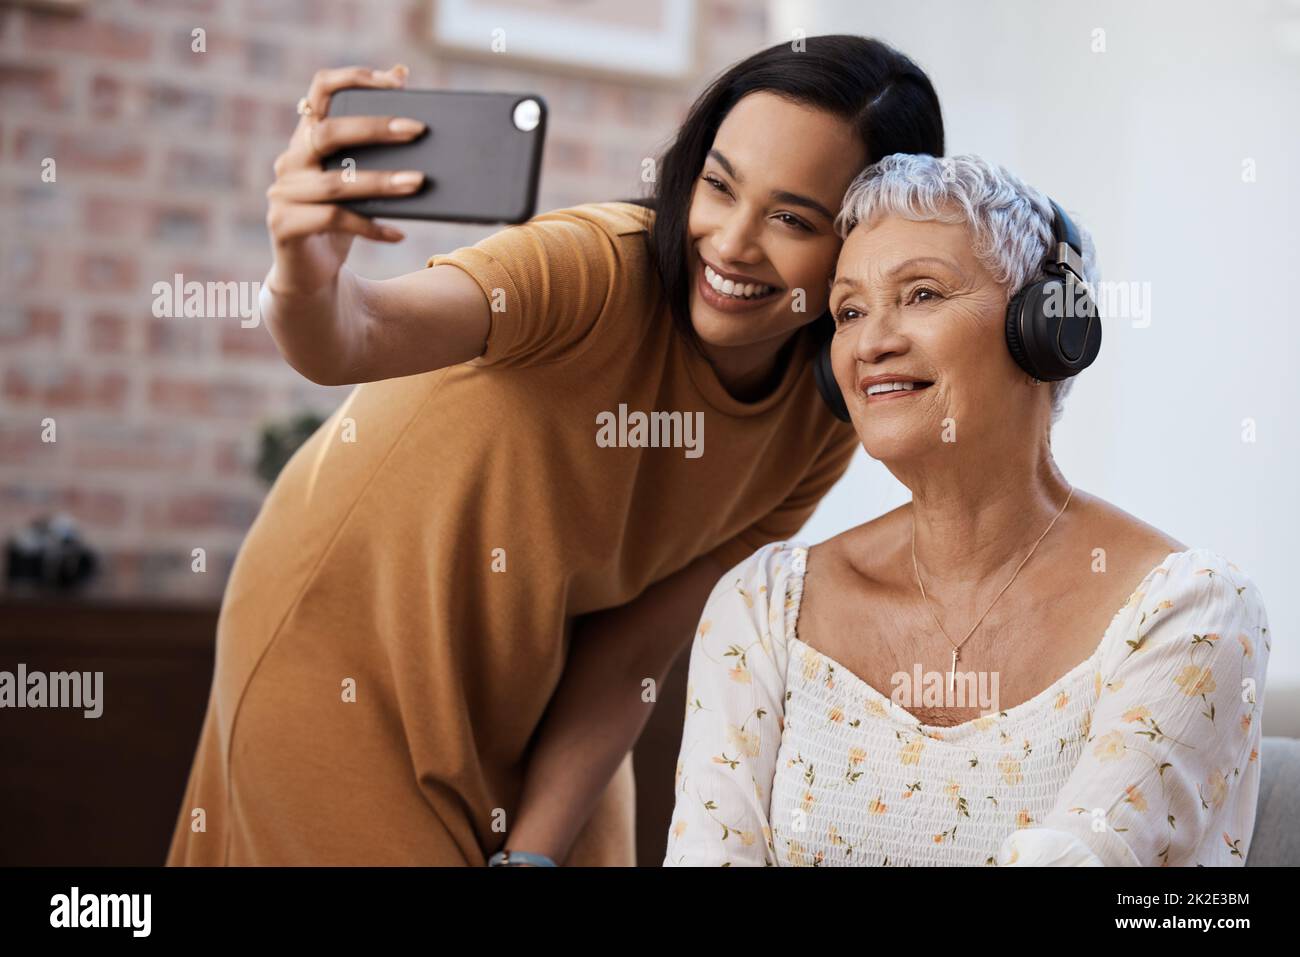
[(614, 217), (1208, 572), (768, 566), (1195, 598), (1140, 548), (756, 594)]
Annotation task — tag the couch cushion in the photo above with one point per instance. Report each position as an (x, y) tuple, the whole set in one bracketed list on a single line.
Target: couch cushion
[(1276, 841)]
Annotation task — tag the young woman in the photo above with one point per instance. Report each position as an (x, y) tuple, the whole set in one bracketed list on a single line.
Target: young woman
[(438, 631)]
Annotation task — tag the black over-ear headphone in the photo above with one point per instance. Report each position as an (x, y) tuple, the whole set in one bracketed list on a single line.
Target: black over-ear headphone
[(1052, 328)]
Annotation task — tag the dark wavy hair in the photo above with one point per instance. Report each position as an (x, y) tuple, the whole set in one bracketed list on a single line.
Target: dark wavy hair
[(888, 99)]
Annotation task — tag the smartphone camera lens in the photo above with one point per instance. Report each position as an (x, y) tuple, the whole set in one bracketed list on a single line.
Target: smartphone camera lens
[(528, 113)]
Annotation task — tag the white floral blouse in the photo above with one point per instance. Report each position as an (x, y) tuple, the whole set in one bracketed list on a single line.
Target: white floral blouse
[(1147, 753)]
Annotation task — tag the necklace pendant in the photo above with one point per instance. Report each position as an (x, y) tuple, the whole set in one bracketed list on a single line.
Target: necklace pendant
[(952, 675)]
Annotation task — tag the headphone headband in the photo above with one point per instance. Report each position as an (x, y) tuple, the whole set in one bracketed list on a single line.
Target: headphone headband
[(1068, 252)]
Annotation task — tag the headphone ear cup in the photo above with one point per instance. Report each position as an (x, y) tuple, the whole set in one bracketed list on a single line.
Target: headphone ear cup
[(1015, 341), (826, 384), (1047, 342)]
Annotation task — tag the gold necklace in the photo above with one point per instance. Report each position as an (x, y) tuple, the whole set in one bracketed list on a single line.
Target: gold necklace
[(952, 675)]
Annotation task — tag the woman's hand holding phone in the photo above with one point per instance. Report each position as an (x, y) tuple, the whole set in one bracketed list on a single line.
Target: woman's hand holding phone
[(330, 324), (311, 234), (316, 309)]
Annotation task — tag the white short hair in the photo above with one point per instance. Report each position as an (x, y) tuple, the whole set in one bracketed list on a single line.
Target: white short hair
[(1009, 221)]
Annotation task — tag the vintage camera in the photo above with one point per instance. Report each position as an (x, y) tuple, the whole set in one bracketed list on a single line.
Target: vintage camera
[(51, 553)]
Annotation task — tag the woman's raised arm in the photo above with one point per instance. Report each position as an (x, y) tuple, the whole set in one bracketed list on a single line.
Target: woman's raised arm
[(334, 326)]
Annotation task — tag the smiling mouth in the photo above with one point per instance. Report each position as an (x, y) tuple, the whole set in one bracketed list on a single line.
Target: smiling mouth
[(893, 390), (737, 291)]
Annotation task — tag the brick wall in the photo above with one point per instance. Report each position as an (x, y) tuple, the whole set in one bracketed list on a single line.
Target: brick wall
[(163, 156)]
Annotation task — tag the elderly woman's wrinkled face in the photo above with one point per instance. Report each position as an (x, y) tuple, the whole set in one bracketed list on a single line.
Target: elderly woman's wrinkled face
[(919, 348)]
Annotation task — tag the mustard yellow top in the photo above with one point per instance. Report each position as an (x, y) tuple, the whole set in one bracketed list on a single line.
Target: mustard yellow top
[(398, 616)]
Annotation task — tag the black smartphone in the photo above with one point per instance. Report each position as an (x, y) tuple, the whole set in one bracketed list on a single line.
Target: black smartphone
[(481, 153)]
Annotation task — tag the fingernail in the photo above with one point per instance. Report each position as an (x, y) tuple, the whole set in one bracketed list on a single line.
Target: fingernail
[(407, 178), (404, 126)]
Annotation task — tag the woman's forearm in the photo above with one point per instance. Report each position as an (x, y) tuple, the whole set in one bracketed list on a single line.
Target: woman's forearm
[(598, 710), (319, 332)]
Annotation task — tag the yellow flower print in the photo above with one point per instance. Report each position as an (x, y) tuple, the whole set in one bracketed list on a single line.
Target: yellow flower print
[(1009, 767), (953, 789), (875, 709), (705, 625), (1096, 683), (1135, 797), (798, 856), (811, 664), (679, 829), (746, 837), (856, 756), (1245, 723), (740, 675), (983, 723), (1061, 701), (808, 801), (1109, 747), (1024, 818), (747, 741), (1246, 648), (1134, 598), (1218, 789), (878, 806), (836, 715), (749, 599), (911, 753), (1195, 680), (1139, 714)]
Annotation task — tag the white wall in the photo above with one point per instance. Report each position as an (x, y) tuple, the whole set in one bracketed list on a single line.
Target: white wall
[(1146, 143)]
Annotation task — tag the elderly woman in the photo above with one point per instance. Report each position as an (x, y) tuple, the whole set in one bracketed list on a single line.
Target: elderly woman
[(1140, 747)]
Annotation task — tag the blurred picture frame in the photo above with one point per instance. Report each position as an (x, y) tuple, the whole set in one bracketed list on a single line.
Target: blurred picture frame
[(648, 40)]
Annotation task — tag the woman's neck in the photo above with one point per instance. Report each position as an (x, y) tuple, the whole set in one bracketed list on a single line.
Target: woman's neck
[(750, 373), (975, 522)]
